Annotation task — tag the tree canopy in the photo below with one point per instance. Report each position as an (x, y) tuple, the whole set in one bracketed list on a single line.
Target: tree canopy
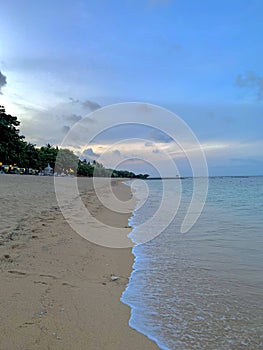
[(12, 145)]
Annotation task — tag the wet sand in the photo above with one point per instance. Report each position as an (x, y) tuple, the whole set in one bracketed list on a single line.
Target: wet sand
[(56, 288)]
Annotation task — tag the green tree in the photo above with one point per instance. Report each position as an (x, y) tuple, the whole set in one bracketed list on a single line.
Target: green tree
[(11, 143), (66, 161), (47, 155), (85, 169), (30, 156)]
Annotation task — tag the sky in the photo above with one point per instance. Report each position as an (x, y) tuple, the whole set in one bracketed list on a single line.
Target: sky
[(202, 60)]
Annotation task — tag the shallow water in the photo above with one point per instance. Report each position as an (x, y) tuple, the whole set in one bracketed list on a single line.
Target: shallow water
[(202, 289)]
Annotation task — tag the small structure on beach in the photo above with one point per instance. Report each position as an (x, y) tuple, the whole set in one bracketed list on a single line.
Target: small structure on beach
[(48, 170)]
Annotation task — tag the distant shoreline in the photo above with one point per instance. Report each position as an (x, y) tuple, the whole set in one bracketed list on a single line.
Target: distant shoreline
[(201, 177)]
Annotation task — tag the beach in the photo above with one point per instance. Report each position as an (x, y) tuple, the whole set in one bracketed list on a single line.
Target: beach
[(56, 289)]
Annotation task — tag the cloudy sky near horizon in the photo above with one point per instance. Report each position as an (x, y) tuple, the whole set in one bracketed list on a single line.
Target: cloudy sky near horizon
[(61, 60)]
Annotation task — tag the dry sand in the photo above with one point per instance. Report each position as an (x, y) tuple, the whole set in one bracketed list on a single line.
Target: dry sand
[(56, 290)]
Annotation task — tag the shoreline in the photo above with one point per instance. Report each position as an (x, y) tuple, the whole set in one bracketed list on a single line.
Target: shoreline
[(57, 291), (133, 325)]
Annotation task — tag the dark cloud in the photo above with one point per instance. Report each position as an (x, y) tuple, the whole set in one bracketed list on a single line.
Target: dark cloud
[(2, 81), (117, 152), (74, 100), (90, 153), (156, 151), (253, 81), (65, 129), (73, 118), (91, 105), (159, 136)]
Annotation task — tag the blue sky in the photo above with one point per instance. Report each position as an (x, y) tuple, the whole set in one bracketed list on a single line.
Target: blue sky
[(200, 59)]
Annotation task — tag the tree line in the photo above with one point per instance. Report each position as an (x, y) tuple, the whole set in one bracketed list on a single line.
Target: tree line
[(16, 151)]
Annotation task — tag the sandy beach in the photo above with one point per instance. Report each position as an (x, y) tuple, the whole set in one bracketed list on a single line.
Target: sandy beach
[(56, 287)]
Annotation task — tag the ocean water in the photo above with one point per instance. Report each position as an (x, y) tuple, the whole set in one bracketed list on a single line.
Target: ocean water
[(202, 289)]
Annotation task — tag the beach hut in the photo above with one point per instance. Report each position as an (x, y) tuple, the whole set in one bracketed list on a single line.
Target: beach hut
[(48, 170)]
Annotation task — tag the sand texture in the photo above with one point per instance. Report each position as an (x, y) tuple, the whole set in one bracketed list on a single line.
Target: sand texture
[(56, 290)]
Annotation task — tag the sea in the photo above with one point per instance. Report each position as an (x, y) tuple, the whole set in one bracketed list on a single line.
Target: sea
[(202, 289)]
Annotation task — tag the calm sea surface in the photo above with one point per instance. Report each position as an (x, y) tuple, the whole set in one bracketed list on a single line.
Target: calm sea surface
[(202, 289)]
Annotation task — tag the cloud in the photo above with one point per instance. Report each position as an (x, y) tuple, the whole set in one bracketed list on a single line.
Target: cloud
[(73, 100), (2, 81), (117, 152), (42, 125), (73, 118), (91, 105), (253, 81), (159, 136), (156, 151), (148, 144), (90, 153), (134, 160), (65, 129)]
